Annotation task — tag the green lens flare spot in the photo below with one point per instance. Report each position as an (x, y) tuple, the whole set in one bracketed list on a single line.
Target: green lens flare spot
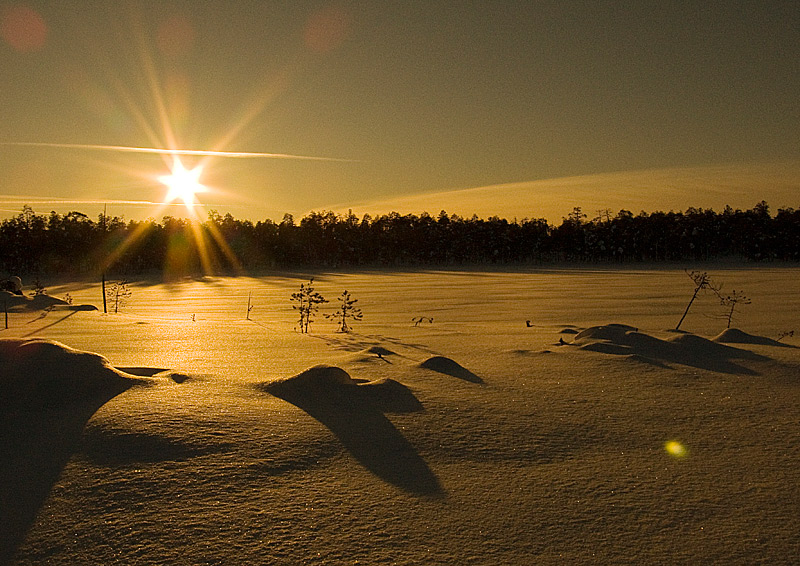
[(676, 449)]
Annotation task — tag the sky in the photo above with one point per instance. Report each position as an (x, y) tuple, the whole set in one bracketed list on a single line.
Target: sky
[(370, 102)]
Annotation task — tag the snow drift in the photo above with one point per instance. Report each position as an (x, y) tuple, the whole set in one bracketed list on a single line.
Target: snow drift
[(441, 364), (736, 336), (47, 373), (14, 302), (683, 349)]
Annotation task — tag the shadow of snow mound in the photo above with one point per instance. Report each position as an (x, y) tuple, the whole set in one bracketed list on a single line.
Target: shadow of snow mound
[(354, 412), (450, 367), (390, 396), (111, 447), (639, 359), (684, 349), (736, 336), (48, 392)]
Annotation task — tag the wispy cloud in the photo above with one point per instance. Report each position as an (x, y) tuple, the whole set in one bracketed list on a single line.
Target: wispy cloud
[(712, 186), (163, 151), (19, 199)]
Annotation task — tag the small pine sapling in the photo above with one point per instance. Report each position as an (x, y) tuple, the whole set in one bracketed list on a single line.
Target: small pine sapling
[(347, 309), (702, 282), (118, 294), (307, 302), (731, 301)]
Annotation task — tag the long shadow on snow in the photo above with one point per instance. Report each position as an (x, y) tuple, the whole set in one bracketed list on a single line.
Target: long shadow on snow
[(47, 395), (354, 413)]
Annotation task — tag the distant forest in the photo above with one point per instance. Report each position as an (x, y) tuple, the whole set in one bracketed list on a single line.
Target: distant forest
[(73, 243)]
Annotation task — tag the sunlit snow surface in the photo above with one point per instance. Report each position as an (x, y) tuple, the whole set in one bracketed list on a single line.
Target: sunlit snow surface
[(474, 439)]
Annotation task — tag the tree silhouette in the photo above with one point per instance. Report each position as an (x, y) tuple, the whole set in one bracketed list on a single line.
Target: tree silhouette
[(75, 244), (702, 282), (731, 301), (346, 310), (118, 294), (307, 302)]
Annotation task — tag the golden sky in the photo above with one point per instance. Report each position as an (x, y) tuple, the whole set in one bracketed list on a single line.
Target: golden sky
[(407, 98)]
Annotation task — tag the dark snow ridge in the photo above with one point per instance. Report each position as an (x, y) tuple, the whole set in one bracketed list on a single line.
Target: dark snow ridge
[(736, 336), (684, 349), (42, 302), (450, 367)]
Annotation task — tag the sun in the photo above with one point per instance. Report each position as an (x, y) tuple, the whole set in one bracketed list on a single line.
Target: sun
[(183, 184)]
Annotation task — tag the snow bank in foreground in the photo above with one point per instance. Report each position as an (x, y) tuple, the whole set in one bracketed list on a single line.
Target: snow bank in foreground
[(46, 372)]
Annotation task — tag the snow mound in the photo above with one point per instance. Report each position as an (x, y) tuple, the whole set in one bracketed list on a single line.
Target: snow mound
[(685, 349), (568, 331), (736, 336), (44, 372), (324, 384), (354, 412), (450, 367), (374, 354), (379, 351), (321, 377), (606, 332)]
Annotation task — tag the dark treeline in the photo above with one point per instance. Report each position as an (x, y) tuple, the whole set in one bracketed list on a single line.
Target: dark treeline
[(73, 243)]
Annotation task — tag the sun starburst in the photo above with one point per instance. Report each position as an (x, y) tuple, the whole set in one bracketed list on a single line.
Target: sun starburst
[(183, 184)]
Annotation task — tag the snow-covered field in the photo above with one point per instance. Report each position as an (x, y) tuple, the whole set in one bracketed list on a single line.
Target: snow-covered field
[(472, 439)]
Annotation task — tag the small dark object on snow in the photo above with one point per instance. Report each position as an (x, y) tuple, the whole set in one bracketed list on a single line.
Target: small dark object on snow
[(419, 319)]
